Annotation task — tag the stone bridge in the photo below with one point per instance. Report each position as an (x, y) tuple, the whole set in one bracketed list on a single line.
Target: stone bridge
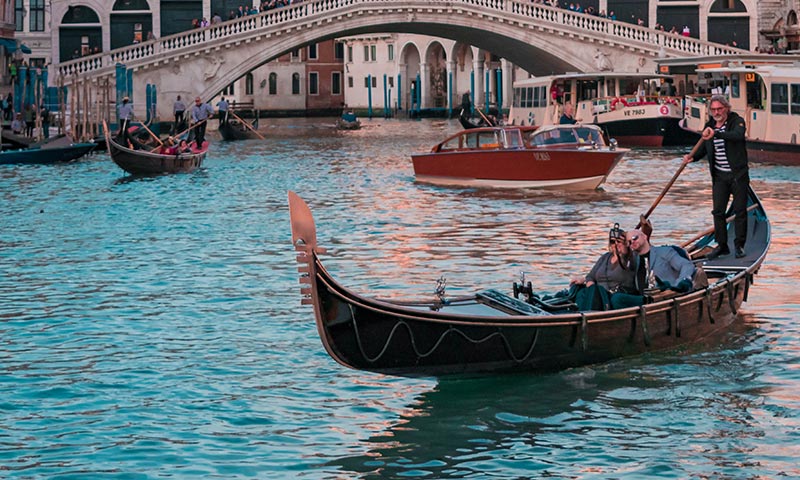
[(538, 38)]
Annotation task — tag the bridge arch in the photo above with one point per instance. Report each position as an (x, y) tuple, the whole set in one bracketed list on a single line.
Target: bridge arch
[(532, 36)]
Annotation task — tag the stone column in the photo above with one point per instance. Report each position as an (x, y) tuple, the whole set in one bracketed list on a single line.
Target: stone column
[(424, 85), (477, 70), (452, 96), (508, 82), (207, 9)]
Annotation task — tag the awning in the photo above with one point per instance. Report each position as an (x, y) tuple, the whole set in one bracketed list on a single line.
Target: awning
[(11, 45)]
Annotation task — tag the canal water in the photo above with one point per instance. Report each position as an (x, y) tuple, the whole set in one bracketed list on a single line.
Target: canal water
[(152, 327)]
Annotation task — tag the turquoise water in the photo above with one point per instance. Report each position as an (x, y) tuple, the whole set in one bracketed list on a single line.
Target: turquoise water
[(152, 328)]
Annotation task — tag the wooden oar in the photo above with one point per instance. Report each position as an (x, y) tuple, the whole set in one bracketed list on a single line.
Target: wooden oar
[(485, 118), (669, 184), (153, 135), (181, 133), (246, 124)]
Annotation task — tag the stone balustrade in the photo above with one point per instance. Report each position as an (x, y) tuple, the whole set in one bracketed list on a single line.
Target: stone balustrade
[(522, 12)]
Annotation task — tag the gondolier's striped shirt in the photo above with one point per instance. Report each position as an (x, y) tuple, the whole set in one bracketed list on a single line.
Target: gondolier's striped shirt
[(720, 157)]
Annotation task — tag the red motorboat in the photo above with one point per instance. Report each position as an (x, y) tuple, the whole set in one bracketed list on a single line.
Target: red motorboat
[(570, 157)]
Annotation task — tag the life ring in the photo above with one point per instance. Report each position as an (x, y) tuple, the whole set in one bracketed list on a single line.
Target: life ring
[(618, 102)]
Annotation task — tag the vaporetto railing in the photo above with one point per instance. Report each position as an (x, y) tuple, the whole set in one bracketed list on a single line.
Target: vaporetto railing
[(307, 12)]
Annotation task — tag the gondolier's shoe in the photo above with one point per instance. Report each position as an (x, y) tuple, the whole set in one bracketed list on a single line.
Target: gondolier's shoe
[(718, 252), (740, 253)]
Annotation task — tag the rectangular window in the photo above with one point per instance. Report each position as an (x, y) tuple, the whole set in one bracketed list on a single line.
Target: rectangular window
[(374, 82), (366, 82), (313, 83), (312, 51), (295, 54), (338, 51), (373, 52), (19, 15), (349, 82), (350, 54), (37, 15), (390, 49), (391, 82), (366, 53), (735, 90), (779, 98), (336, 83), (796, 99)]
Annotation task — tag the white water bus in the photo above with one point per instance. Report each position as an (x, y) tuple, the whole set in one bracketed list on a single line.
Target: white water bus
[(637, 109)]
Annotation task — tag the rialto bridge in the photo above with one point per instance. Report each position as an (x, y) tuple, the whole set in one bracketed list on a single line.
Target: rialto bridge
[(537, 38)]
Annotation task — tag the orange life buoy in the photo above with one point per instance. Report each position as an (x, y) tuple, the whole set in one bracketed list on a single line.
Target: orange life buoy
[(618, 102)]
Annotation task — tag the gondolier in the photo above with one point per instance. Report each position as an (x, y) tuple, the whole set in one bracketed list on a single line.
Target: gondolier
[(201, 111), (125, 115), (724, 145), (222, 106), (179, 109)]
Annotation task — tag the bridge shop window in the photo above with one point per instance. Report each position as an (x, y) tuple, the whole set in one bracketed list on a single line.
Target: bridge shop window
[(796, 99), (273, 83), (779, 98)]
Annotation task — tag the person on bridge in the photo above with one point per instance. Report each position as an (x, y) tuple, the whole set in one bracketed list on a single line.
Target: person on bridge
[(222, 106), (201, 112), (125, 115), (724, 145), (179, 109)]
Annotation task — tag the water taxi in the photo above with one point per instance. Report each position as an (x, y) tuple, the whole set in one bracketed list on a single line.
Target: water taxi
[(637, 109), (567, 157), (764, 90)]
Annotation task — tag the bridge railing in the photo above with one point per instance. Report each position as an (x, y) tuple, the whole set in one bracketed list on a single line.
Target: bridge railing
[(539, 14)]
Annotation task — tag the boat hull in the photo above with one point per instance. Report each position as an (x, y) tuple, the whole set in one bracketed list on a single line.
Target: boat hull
[(493, 332), (231, 132), (517, 168), (773, 152), (137, 162), (648, 132), (46, 155)]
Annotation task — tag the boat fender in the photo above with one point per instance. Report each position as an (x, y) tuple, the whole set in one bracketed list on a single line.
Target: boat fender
[(731, 296), (709, 302), (584, 333), (675, 317), (643, 321)]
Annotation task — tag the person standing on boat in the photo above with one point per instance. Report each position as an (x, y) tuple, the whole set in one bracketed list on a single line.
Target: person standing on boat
[(724, 145), (179, 109), (201, 112), (125, 115), (568, 117), (222, 106)]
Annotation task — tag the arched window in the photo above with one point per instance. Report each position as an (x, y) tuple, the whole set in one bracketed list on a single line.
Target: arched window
[(273, 83), (791, 19), (295, 84), (728, 6), (131, 5), (248, 84), (80, 14)]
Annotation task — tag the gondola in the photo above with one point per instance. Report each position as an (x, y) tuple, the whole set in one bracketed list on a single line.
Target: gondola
[(144, 162), (343, 124), (473, 122), (236, 130), (491, 331), (46, 154)]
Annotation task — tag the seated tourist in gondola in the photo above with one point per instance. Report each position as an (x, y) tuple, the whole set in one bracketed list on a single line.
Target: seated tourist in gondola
[(612, 275), (665, 269)]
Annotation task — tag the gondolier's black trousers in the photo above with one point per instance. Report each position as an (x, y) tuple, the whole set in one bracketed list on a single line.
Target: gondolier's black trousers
[(122, 134), (178, 119), (200, 134), (723, 185)]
